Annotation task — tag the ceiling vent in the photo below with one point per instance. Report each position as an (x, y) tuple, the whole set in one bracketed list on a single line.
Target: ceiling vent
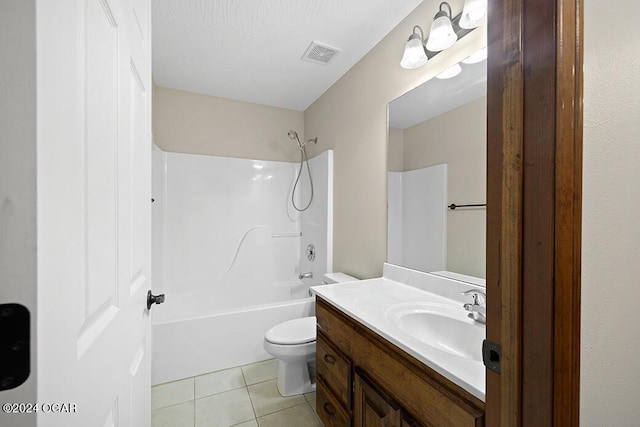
[(320, 54)]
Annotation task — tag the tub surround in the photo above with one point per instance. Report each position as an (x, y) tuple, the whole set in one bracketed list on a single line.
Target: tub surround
[(227, 251), (373, 303)]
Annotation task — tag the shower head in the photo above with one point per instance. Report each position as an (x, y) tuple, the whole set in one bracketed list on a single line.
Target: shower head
[(293, 135)]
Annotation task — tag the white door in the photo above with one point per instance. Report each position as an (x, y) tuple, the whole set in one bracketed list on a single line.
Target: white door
[(94, 169)]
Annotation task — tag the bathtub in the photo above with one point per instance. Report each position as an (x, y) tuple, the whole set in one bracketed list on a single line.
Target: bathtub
[(184, 345), (230, 270)]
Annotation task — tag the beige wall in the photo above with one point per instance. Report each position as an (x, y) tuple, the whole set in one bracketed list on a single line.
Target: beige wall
[(18, 193), (458, 138), (186, 122), (351, 118), (395, 150), (610, 341)]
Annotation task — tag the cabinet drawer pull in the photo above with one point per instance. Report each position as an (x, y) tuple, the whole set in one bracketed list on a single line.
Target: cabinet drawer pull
[(328, 409), (329, 359)]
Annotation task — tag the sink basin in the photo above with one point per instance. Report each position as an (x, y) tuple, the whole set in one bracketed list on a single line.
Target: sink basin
[(444, 328)]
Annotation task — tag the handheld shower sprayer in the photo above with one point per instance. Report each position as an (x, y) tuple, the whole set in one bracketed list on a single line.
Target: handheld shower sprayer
[(293, 135)]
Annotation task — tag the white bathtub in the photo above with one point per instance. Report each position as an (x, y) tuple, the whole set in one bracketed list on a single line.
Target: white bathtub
[(189, 346), (228, 249)]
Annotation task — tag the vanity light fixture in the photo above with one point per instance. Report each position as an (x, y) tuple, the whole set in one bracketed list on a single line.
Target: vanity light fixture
[(414, 53), (441, 35), (444, 32), (474, 13), (450, 72), (476, 57)]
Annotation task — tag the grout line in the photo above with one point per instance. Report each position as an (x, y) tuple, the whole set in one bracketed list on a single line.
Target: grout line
[(246, 387), (284, 409), (253, 408), (173, 404), (219, 392), (315, 414), (261, 382), (243, 376)]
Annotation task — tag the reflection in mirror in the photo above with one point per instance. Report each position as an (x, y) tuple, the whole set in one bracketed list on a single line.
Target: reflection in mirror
[(436, 158)]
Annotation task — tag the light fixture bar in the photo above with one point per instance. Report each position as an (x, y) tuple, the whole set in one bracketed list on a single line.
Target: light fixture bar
[(414, 57), (461, 32)]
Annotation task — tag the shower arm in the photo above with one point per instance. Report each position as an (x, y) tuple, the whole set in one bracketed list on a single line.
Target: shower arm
[(314, 140), (293, 135)]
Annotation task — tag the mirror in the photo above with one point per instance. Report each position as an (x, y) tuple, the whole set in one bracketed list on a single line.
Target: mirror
[(437, 158)]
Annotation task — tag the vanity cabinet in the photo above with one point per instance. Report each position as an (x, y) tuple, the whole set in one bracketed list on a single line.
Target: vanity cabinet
[(372, 407), (363, 380), (333, 384)]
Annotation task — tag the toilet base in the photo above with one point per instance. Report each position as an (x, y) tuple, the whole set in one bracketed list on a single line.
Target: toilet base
[(293, 378)]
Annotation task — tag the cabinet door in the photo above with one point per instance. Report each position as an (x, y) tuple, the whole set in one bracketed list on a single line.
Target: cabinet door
[(372, 407), (407, 421)]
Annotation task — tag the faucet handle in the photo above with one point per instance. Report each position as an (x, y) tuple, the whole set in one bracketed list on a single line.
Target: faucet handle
[(478, 296)]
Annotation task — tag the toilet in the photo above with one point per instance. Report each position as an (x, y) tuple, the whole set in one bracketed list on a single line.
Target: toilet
[(293, 343)]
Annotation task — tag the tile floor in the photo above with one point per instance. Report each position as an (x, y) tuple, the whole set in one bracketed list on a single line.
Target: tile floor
[(240, 397)]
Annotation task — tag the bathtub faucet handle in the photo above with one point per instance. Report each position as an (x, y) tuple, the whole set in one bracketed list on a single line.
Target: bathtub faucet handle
[(154, 299)]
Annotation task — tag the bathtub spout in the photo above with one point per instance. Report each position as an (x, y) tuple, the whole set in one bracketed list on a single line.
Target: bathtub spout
[(308, 275)]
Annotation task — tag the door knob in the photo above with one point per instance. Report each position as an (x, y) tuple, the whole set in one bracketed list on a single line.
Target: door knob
[(154, 299)]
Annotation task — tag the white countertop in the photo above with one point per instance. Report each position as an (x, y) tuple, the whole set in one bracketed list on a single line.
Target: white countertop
[(369, 302)]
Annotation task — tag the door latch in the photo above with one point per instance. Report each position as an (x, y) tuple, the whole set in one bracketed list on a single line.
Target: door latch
[(491, 355)]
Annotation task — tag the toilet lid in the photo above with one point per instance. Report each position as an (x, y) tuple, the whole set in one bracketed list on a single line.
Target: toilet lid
[(296, 331)]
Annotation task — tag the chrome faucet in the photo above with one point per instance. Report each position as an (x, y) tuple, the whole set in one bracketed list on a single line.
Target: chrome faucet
[(308, 275), (478, 308)]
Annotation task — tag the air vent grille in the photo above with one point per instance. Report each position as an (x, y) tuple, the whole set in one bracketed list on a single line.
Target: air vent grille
[(319, 53)]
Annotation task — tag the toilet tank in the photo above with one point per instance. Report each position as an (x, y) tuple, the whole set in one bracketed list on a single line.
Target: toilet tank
[(331, 278)]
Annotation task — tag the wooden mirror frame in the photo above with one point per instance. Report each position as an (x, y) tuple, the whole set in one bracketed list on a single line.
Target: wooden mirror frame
[(534, 158)]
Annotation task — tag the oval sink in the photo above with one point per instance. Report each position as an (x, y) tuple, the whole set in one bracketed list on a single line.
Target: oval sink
[(444, 328)]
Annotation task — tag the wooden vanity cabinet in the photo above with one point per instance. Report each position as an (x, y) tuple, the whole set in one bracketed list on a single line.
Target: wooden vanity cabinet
[(372, 407), (331, 411), (365, 381), (334, 385)]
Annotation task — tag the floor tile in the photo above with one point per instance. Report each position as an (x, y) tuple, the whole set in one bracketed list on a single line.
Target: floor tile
[(261, 371), (224, 409), (266, 398), (177, 415), (298, 416), (218, 382), (252, 423), (168, 394), (311, 398)]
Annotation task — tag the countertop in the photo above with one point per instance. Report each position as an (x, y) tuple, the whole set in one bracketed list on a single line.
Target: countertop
[(371, 302)]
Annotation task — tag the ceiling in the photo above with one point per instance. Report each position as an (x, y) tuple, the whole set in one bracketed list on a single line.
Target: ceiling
[(436, 96), (251, 50)]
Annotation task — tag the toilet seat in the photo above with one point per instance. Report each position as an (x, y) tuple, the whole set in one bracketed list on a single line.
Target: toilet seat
[(293, 332)]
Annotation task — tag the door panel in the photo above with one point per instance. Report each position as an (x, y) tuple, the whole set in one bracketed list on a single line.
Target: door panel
[(371, 407), (94, 149)]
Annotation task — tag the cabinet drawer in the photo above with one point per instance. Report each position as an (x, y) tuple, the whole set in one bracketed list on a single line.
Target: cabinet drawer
[(330, 411), (334, 368), (333, 326)]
